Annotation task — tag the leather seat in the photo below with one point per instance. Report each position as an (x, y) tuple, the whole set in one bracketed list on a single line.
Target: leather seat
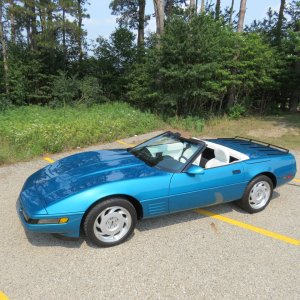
[(222, 158)]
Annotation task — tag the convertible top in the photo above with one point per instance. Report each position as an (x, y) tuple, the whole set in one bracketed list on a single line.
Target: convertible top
[(250, 147)]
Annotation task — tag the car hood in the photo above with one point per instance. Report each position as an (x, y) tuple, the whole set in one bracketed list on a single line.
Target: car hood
[(82, 171)]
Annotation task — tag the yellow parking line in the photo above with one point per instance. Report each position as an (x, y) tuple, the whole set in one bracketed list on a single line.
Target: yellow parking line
[(297, 180), (48, 159), (124, 143), (3, 296), (259, 230)]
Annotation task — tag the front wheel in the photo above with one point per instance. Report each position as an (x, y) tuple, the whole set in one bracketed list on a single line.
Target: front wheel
[(257, 194), (111, 222)]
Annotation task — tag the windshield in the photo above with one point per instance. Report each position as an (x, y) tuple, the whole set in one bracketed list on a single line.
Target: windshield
[(168, 151)]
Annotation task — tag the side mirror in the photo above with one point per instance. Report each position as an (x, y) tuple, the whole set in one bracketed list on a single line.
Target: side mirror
[(195, 170)]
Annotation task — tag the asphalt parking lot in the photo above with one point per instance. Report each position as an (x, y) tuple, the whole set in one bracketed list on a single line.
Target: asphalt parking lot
[(187, 255)]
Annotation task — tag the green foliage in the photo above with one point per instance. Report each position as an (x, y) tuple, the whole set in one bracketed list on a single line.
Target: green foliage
[(114, 58), (128, 12), (90, 91), (65, 89), (236, 111), (33, 130), (70, 90), (200, 67), (4, 103), (197, 64)]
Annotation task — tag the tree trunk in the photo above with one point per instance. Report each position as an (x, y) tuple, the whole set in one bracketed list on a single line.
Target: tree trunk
[(169, 8), (192, 4), (218, 9), (51, 36), (33, 25), (231, 12), (280, 23), (231, 97), (159, 14), (295, 100), (12, 20), (42, 17), (79, 37), (241, 16), (202, 6), (4, 49), (141, 26), (27, 23), (64, 29)]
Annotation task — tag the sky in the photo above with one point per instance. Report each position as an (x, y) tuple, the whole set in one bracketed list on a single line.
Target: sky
[(102, 22)]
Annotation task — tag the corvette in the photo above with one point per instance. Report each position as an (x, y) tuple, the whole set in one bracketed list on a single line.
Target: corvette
[(104, 193)]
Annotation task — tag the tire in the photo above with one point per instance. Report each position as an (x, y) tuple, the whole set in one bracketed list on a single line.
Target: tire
[(257, 195), (110, 222)]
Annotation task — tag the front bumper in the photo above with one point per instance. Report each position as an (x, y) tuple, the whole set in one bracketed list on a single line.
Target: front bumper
[(70, 229)]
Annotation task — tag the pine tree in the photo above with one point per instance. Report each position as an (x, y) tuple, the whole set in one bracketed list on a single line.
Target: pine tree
[(241, 16), (131, 14)]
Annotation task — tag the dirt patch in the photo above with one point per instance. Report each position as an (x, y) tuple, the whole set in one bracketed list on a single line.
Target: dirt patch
[(275, 132)]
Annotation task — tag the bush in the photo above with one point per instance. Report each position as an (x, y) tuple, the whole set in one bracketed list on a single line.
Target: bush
[(91, 91), (236, 111), (65, 89)]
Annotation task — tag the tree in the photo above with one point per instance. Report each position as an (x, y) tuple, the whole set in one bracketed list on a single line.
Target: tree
[(114, 58), (132, 15), (242, 12), (196, 65), (185, 75), (278, 34), (141, 23), (4, 47), (218, 9), (80, 16), (160, 17), (202, 6), (292, 48), (11, 11), (169, 6), (231, 12)]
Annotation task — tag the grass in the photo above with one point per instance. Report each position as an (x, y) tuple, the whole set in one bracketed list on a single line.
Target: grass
[(282, 130), (26, 132)]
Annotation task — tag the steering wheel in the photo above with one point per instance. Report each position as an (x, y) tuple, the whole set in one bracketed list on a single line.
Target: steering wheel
[(183, 159)]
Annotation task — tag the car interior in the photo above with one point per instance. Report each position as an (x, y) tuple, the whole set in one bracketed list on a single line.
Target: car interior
[(216, 155)]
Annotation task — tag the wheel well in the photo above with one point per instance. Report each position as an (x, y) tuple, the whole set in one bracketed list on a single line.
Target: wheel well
[(137, 205), (271, 176)]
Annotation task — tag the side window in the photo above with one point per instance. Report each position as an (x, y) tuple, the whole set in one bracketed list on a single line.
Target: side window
[(232, 159)]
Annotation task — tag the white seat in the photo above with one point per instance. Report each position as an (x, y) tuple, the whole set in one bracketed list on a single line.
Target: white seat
[(197, 160), (222, 158), (186, 155)]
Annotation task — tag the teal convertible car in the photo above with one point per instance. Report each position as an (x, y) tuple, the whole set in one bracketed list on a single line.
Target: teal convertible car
[(103, 193)]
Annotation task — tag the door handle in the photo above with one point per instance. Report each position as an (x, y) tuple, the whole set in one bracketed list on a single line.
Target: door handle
[(236, 172)]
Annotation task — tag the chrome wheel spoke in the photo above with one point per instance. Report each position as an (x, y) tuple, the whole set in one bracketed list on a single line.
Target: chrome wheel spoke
[(259, 194), (112, 224)]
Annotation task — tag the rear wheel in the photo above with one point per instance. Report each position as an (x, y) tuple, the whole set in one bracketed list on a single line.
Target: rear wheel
[(110, 222), (257, 194)]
